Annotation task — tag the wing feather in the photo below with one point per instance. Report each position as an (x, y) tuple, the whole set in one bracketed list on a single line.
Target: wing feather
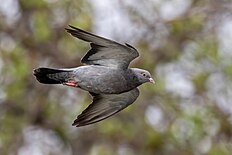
[(103, 51), (104, 106)]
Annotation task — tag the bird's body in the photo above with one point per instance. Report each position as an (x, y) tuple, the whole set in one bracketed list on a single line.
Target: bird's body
[(106, 76), (98, 79), (94, 79)]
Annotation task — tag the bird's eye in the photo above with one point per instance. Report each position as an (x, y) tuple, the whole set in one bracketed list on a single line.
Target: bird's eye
[(144, 74)]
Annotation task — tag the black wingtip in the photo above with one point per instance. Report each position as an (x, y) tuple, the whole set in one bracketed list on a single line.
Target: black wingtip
[(69, 30), (76, 32), (76, 124), (72, 27)]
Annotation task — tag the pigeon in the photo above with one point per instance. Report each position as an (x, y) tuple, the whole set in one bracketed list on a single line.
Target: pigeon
[(105, 75)]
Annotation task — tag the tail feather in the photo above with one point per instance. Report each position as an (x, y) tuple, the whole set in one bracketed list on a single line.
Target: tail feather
[(51, 76)]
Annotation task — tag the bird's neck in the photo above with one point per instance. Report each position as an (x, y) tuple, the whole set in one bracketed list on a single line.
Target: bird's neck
[(133, 77)]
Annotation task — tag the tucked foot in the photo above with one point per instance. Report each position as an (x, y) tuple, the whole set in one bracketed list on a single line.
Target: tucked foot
[(71, 83)]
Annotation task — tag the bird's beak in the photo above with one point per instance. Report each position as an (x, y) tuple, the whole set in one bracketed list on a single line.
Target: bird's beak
[(151, 80)]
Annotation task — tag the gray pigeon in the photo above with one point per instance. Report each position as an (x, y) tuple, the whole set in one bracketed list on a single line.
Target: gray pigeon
[(106, 77)]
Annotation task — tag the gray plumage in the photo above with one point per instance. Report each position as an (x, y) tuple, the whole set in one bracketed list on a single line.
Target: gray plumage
[(106, 76), (105, 52), (104, 106)]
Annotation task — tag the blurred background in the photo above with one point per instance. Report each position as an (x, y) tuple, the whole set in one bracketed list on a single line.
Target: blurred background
[(185, 44)]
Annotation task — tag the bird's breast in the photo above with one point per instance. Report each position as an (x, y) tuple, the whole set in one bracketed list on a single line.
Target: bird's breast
[(102, 80)]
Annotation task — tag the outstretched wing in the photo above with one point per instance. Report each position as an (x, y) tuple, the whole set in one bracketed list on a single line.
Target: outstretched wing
[(103, 51), (104, 106)]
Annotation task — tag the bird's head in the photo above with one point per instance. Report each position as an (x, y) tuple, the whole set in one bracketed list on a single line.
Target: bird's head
[(143, 75)]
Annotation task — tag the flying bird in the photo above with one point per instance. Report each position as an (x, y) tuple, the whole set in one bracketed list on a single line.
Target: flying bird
[(105, 76)]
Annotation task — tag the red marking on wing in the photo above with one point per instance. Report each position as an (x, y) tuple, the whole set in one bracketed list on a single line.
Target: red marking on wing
[(71, 83)]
